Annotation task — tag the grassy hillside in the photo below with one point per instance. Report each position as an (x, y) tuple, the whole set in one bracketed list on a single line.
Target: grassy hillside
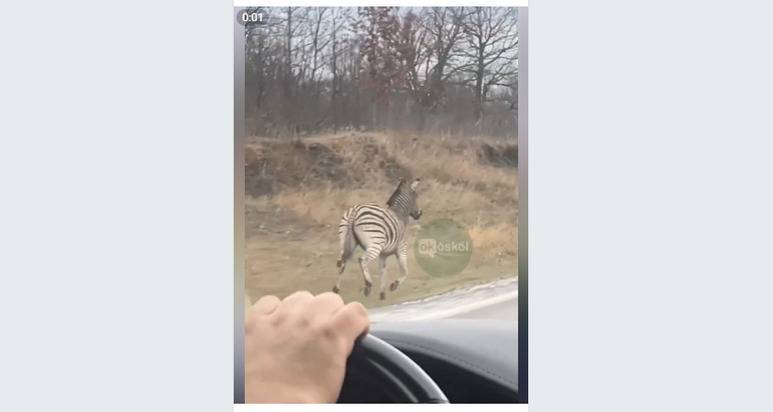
[(298, 189)]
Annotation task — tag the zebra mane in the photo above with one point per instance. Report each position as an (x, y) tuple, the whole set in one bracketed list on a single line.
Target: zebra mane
[(393, 198)]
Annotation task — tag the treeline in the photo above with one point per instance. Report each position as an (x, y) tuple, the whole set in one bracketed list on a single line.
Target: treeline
[(440, 70)]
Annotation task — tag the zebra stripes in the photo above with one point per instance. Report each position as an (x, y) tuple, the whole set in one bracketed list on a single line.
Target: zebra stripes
[(380, 232)]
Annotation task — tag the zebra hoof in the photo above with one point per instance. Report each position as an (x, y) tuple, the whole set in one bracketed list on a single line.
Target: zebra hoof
[(366, 290), (335, 289), (382, 296), (393, 286)]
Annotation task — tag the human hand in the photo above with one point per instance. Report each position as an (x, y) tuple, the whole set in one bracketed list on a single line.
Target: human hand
[(296, 349)]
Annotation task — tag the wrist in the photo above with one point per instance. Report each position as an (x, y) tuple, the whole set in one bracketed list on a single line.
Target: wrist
[(276, 393)]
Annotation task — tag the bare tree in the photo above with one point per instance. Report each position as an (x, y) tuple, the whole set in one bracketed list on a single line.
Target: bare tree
[(491, 52), (339, 43), (444, 31), (319, 40)]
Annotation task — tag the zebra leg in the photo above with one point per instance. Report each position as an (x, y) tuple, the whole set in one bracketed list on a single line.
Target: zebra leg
[(341, 267), (371, 253), (402, 259), (382, 262), (346, 238)]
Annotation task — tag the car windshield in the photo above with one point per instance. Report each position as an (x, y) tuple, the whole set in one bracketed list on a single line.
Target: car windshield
[(386, 174)]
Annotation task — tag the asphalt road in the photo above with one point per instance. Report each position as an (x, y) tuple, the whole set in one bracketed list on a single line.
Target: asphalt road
[(494, 300), (507, 310)]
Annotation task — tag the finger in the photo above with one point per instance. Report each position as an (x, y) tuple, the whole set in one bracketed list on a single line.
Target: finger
[(266, 305), (297, 299), (325, 304), (352, 321)]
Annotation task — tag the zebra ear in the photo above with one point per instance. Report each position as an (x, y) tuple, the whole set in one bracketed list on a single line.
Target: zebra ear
[(415, 184)]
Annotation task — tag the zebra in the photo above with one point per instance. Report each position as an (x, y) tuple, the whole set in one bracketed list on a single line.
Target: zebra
[(380, 232)]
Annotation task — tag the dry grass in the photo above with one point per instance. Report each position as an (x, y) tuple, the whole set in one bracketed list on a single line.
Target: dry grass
[(495, 241)]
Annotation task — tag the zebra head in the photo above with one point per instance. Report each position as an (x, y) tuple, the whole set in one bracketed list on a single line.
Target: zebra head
[(403, 200)]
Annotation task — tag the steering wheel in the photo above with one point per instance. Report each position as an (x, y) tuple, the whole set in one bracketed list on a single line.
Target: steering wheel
[(394, 374)]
